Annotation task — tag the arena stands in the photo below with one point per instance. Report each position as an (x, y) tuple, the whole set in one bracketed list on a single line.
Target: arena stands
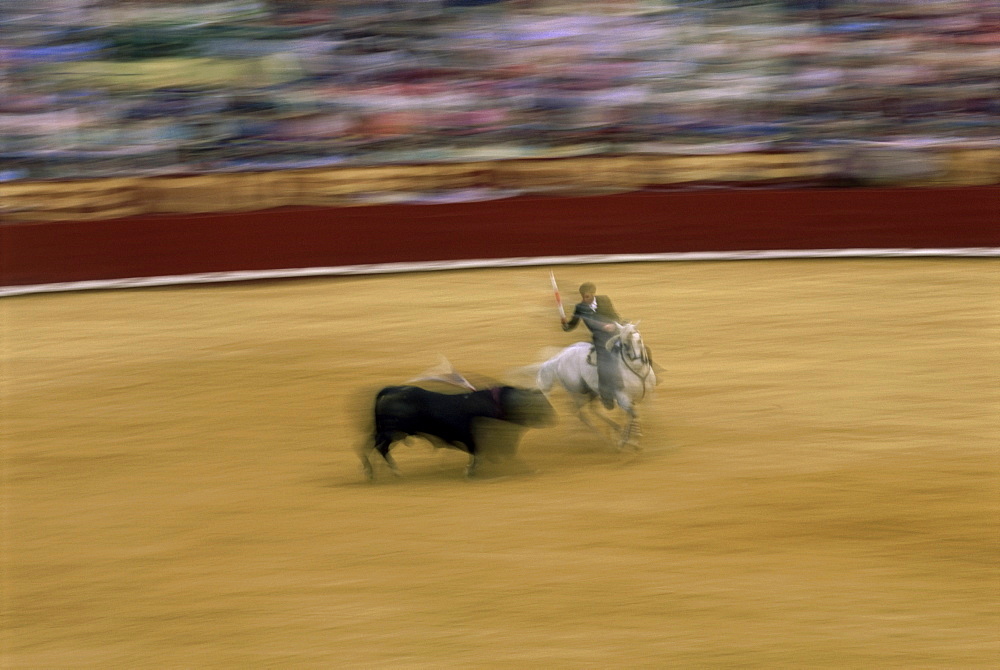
[(480, 98)]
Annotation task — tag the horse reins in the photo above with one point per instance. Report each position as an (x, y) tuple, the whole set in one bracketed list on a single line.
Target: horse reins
[(626, 360)]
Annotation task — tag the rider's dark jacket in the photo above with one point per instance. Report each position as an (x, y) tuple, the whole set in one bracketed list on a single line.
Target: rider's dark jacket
[(595, 318), (608, 379)]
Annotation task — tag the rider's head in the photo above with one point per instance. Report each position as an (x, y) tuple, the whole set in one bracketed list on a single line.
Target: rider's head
[(587, 291)]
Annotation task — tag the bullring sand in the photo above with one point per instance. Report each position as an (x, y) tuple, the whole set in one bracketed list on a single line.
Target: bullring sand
[(819, 485)]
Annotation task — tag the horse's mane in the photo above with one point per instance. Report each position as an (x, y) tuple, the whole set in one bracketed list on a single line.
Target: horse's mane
[(624, 330)]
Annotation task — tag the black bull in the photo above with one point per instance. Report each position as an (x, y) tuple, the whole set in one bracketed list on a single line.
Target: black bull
[(451, 420)]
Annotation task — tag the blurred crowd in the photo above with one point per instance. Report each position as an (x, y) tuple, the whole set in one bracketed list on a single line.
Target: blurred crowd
[(94, 88)]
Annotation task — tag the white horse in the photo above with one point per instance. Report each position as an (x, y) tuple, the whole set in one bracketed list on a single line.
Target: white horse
[(575, 373)]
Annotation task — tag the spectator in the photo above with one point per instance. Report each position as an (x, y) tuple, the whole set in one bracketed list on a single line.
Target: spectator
[(297, 81)]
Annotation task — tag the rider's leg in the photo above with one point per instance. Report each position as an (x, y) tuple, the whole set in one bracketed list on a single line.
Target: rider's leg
[(607, 376)]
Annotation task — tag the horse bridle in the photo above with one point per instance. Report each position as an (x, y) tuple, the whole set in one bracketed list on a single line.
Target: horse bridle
[(627, 360)]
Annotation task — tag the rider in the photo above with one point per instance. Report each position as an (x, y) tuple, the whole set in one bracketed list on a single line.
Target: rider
[(600, 317)]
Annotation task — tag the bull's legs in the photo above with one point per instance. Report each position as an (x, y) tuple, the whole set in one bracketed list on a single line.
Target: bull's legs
[(381, 445), (470, 469), (383, 448), (468, 440), (364, 452), (470, 445), (366, 464), (392, 464)]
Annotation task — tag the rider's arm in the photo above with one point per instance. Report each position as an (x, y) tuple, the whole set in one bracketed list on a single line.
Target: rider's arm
[(572, 322), (597, 322)]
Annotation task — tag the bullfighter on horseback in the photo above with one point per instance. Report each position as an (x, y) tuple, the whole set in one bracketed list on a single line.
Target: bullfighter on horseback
[(599, 315)]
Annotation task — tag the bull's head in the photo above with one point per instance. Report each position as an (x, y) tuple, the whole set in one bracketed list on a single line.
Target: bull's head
[(526, 407)]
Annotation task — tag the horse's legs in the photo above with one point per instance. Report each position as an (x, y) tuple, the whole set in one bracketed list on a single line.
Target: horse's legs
[(581, 402), (603, 417), (584, 405), (626, 433), (632, 427), (630, 434)]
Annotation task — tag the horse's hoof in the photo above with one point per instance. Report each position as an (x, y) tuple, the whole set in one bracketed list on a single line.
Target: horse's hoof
[(629, 445)]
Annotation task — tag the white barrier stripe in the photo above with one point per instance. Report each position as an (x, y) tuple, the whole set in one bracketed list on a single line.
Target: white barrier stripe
[(432, 266)]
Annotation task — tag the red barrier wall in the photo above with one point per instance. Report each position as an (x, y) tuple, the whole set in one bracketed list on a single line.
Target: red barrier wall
[(633, 223)]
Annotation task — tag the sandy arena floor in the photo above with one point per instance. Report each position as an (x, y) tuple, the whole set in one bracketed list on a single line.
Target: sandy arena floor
[(820, 485)]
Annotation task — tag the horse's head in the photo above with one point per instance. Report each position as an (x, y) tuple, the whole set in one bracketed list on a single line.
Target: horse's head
[(630, 339)]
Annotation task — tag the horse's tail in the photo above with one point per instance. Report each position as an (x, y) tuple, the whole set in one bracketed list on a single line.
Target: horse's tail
[(547, 372), (522, 376), (545, 377)]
